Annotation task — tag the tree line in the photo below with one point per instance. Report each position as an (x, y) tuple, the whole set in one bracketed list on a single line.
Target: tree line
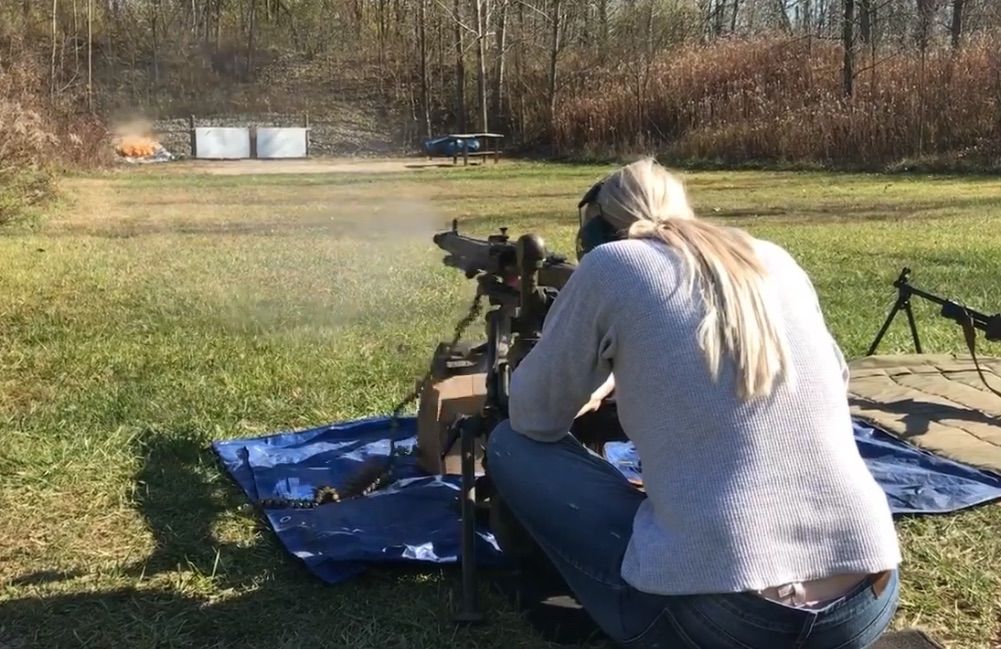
[(558, 75)]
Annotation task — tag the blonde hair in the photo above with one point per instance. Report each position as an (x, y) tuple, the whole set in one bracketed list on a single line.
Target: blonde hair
[(648, 202)]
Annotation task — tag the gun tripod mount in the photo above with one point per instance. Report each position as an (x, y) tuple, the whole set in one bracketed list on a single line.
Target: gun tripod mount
[(519, 279), (952, 310)]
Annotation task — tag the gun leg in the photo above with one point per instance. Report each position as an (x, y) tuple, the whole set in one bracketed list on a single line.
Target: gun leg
[(914, 326), (470, 612), (886, 325)]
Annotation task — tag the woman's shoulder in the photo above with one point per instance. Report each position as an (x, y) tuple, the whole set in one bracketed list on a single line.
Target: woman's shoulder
[(634, 254), (768, 248), (773, 254), (653, 255), (621, 270), (783, 264)]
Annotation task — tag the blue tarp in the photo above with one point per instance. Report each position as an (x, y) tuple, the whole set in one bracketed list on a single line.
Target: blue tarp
[(416, 518)]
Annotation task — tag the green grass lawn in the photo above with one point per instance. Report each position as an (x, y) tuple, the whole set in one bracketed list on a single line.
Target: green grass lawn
[(155, 311)]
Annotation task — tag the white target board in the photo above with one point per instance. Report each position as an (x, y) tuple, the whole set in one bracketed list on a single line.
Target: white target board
[(218, 143), (282, 142)]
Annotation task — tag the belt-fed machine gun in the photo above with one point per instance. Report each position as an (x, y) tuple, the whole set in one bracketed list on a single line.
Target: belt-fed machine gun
[(520, 280), (966, 317)]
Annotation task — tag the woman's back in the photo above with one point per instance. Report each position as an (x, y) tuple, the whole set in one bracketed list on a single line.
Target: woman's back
[(760, 525), (742, 495)]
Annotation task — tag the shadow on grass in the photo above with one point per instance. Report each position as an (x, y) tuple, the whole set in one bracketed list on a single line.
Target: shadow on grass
[(181, 496), (195, 591), (279, 615)]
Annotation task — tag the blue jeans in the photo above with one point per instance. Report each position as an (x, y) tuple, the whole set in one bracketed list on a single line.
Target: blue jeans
[(579, 510)]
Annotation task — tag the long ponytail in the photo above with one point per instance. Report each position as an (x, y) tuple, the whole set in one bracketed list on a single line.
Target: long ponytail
[(741, 314)]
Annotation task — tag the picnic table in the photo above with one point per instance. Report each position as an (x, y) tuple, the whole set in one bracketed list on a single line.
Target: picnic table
[(483, 137)]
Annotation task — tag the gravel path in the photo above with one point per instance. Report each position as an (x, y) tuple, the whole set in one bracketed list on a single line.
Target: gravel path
[(310, 166)]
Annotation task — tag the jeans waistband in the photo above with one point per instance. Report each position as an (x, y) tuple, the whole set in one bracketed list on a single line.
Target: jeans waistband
[(818, 592), (753, 606)]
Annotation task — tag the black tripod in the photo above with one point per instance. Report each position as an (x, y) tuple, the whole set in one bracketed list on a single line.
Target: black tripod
[(904, 292)]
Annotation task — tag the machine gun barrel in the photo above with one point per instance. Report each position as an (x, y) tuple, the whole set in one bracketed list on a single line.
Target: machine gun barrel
[(497, 255), (494, 255)]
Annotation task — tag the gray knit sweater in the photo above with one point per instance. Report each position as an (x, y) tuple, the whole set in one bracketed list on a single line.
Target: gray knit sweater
[(740, 496)]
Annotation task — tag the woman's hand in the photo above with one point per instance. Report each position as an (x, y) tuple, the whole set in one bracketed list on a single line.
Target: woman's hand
[(590, 406), (597, 396)]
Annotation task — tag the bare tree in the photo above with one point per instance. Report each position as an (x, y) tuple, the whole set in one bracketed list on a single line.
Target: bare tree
[(865, 21), (804, 15), (90, 55), (718, 17), (154, 40), (554, 52), (848, 42), (956, 28), (926, 16), (76, 36), (52, 80), (783, 14), (603, 23), (425, 83), (460, 69), (926, 19), (250, 38), (381, 21), (479, 14), (501, 55)]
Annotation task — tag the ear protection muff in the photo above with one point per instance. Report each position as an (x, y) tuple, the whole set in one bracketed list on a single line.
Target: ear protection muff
[(596, 230), (594, 233)]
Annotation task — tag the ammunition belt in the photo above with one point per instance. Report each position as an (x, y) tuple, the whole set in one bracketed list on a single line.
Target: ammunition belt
[(372, 476)]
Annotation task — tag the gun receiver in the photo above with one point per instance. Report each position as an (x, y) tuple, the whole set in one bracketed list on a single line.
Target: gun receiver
[(498, 257), (952, 310)]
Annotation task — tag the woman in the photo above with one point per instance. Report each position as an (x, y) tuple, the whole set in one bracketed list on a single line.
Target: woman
[(760, 526)]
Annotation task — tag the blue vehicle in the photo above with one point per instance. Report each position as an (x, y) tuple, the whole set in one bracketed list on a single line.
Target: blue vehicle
[(450, 146)]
